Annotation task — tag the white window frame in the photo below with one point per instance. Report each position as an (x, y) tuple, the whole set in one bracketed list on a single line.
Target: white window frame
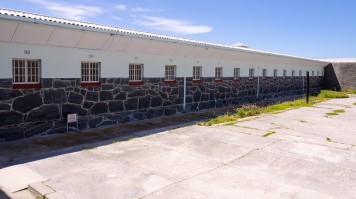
[(300, 73), (275, 73), (284, 73), (236, 73), (170, 72), (251, 73), (264, 73), (218, 73), (197, 72), (136, 72), (293, 73), (27, 76), (90, 71), (317, 73)]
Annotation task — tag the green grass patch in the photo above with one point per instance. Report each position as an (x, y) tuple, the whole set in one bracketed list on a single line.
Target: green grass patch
[(303, 121), (332, 113), (332, 94), (354, 103), (252, 110), (328, 139), (339, 111), (268, 134), (349, 91)]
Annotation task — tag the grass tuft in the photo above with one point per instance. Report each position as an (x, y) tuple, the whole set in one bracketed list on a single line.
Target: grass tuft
[(339, 111), (332, 113), (349, 91), (354, 103), (303, 121), (252, 110), (268, 134), (328, 139)]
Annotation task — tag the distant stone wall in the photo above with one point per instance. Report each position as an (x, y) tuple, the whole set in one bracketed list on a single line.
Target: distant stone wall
[(340, 75), (26, 113)]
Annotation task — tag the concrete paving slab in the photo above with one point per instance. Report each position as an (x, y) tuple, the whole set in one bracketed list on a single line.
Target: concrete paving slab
[(331, 181)]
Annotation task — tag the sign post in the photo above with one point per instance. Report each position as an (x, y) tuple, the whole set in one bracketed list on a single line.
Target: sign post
[(72, 118), (308, 85)]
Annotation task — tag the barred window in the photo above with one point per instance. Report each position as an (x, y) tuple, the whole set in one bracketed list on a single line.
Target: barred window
[(236, 73), (251, 73), (312, 73), (218, 73), (300, 73), (275, 73), (170, 72), (26, 71), (284, 73), (135, 72), (264, 73), (90, 71), (293, 73), (317, 73), (197, 70)]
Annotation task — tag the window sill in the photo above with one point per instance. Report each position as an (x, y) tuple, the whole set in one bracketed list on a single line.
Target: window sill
[(90, 84), (196, 81), (218, 81), (136, 83), (27, 86), (170, 81)]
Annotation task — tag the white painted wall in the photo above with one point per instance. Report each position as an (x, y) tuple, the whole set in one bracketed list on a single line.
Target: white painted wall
[(63, 62)]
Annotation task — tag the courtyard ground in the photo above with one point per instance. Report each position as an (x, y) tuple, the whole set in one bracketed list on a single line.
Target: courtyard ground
[(301, 153)]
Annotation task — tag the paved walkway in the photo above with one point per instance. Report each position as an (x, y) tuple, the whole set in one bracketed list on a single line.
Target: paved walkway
[(308, 154)]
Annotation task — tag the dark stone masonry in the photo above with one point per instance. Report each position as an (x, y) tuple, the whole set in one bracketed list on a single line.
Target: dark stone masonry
[(26, 113)]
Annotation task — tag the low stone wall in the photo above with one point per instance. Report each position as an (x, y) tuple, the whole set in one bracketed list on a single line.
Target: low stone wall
[(26, 113)]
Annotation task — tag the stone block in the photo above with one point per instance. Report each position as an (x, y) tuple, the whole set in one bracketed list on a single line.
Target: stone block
[(73, 108), (99, 108), (106, 95), (44, 113), (10, 134), (75, 98), (197, 96), (27, 102), (150, 113), (92, 96), (120, 96), (4, 106), (131, 103), (156, 101), (6, 94), (10, 118), (95, 122), (137, 93), (88, 104), (144, 102), (39, 129), (106, 87), (57, 83), (116, 106), (170, 111), (159, 112), (138, 116), (57, 96)]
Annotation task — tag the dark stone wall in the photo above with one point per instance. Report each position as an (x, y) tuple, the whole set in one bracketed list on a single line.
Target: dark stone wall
[(26, 113), (340, 75)]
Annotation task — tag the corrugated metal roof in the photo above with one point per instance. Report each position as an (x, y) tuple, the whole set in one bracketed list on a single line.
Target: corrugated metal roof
[(37, 18)]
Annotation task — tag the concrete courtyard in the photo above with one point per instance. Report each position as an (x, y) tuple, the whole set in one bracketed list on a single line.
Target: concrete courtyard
[(308, 154)]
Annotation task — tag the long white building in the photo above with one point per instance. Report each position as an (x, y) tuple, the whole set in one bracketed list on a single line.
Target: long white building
[(50, 67)]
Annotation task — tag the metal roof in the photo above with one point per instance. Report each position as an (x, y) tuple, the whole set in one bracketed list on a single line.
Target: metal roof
[(55, 21)]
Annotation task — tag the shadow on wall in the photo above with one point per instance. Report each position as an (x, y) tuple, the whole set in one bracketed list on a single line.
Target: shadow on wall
[(331, 80)]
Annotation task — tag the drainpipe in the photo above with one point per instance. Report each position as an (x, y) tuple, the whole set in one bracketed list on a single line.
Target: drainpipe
[(258, 82), (184, 95)]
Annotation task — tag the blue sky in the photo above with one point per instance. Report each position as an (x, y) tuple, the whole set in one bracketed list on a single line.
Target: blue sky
[(307, 28)]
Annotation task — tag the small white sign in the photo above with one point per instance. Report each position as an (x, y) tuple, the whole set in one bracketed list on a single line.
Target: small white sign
[(72, 118)]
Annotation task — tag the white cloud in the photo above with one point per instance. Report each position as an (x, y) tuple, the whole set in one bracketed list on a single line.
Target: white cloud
[(173, 25), (75, 12), (120, 7), (139, 9), (117, 18)]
